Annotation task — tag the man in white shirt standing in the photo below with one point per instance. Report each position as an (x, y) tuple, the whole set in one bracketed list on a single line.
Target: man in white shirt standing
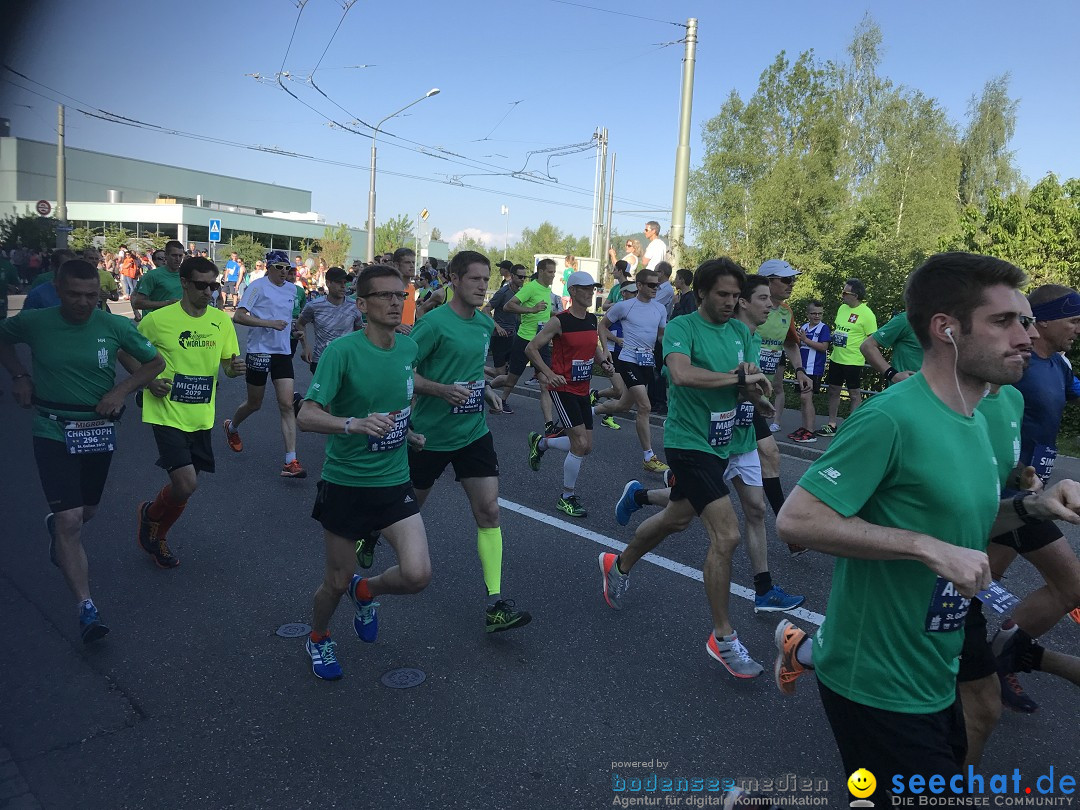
[(656, 251)]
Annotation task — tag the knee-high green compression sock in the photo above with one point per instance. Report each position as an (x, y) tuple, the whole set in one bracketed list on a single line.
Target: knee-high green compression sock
[(489, 545)]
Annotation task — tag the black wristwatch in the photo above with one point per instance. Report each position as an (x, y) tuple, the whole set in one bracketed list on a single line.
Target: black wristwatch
[(803, 370), (1021, 510), (889, 373)]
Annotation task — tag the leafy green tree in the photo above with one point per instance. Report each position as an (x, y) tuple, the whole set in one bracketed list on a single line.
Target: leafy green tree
[(244, 246), (394, 233), (80, 238), (436, 234), (987, 167), (29, 230), (335, 244), (116, 238)]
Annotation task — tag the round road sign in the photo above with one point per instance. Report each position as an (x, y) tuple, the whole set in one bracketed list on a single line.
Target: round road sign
[(43, 207)]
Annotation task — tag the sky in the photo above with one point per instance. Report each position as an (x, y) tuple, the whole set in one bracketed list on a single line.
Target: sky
[(513, 75)]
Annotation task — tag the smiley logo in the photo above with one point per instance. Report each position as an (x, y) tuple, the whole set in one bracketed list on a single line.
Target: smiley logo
[(861, 783)]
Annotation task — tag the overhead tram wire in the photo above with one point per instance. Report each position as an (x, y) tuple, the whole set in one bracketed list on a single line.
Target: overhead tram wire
[(618, 13)]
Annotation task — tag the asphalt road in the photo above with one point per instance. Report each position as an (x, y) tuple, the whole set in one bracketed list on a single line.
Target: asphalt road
[(194, 702)]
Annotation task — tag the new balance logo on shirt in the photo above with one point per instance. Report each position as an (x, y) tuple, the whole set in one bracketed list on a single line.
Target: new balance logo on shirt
[(830, 474)]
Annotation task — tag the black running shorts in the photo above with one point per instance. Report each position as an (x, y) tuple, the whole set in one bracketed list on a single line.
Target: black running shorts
[(1030, 537), (280, 368), (500, 349), (572, 409), (761, 427), (356, 512), (633, 374), (699, 477), (70, 481), (177, 448), (518, 360), (839, 374), (976, 656), (476, 460)]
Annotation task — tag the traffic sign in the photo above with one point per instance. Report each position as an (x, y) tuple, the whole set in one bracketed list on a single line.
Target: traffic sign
[(215, 230), (43, 207)]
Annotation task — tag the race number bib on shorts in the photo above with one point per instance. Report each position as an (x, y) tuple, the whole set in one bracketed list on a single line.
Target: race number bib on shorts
[(644, 357), (839, 339), (768, 360), (191, 390), (744, 414), (947, 608), (998, 599), (94, 436), (258, 361), (475, 402), (580, 370), (395, 437), (1043, 461), (721, 423)]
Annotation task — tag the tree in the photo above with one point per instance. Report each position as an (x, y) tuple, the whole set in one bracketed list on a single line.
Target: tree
[(80, 239), (987, 167), (244, 246), (116, 238), (436, 234), (394, 233), (29, 230), (335, 244)]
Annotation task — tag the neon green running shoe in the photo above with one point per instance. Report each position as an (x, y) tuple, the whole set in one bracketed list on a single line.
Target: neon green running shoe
[(572, 506)]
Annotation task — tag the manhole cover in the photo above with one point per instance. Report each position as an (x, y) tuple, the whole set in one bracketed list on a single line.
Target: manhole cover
[(403, 678), (293, 630)]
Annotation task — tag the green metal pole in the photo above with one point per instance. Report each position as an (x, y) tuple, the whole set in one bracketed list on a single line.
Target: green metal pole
[(682, 153)]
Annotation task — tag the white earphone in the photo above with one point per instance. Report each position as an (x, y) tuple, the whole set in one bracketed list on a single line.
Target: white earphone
[(948, 331)]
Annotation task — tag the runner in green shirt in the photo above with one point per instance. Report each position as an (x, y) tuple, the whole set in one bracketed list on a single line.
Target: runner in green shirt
[(161, 286), (907, 352), (195, 339), (361, 397), (77, 401), (909, 532), (708, 368), (452, 343)]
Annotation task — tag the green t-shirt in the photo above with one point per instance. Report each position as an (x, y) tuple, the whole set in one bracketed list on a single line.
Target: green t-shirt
[(531, 294), (193, 348), (744, 416), (703, 419), (8, 278), (893, 630), (852, 326), (451, 349), (42, 278), (74, 364), (897, 334), (1004, 411), (357, 378), (616, 293), (161, 284), (301, 300), (772, 335)]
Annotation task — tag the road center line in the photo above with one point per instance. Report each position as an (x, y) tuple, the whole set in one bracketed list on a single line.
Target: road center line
[(655, 559)]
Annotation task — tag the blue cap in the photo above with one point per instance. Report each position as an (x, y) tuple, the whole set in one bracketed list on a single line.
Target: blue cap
[(277, 257)]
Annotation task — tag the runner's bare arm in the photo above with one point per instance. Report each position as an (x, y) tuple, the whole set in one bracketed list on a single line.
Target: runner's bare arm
[(683, 373), (314, 419), (113, 401), (552, 328), (245, 318), (22, 384), (454, 394), (1059, 502)]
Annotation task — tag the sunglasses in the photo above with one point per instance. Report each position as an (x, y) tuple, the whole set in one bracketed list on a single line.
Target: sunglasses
[(518, 275), (652, 285), (386, 295), (785, 279), (202, 285)]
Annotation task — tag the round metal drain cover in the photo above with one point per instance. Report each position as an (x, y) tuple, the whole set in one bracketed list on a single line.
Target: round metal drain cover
[(403, 678), (293, 630)]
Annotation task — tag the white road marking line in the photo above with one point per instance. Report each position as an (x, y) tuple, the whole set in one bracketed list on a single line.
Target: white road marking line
[(655, 559)]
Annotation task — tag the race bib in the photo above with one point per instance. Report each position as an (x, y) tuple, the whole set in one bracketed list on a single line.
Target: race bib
[(1043, 461), (721, 424), (769, 360), (998, 599), (259, 361), (94, 436), (744, 414), (644, 357), (947, 608), (580, 370), (395, 437), (839, 339), (475, 402), (191, 390)]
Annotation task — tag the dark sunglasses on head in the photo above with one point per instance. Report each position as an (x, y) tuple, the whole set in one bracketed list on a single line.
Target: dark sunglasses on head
[(202, 285), (652, 285)]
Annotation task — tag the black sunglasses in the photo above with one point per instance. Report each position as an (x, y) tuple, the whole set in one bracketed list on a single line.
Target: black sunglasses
[(202, 285), (652, 285), (518, 275)]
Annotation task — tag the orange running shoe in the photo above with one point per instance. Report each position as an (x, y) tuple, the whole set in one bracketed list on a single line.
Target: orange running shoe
[(1074, 614), (787, 668), (293, 470), (232, 437)]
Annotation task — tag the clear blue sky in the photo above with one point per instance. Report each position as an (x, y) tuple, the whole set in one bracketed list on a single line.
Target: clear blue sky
[(573, 69)]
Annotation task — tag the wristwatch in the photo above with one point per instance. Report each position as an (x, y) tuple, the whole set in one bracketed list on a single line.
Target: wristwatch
[(1021, 510)]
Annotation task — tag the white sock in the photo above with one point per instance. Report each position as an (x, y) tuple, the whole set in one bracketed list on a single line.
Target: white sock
[(804, 653), (85, 603), (570, 469), (558, 443), (649, 454), (290, 457)]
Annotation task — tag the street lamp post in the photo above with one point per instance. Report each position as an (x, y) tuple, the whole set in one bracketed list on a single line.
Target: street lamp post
[(371, 185), (506, 234)]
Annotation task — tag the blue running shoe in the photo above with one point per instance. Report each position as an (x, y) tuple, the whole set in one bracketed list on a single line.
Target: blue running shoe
[(324, 661), (627, 505), (366, 621), (50, 527), (91, 627), (776, 600)]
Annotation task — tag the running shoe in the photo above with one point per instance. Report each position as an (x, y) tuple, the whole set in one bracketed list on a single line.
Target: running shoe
[(787, 668), (507, 409), (608, 421), (828, 429), (733, 655), (776, 600), (654, 465), (50, 527), (502, 616), (365, 550), (572, 506), (149, 541), (553, 431), (535, 453), (627, 505), (615, 583), (774, 428), (1074, 614), (297, 402), (802, 436), (324, 661), (1013, 695), (366, 620), (293, 470), (795, 549), (532, 382), (669, 478), (91, 627), (232, 437), (1011, 647), (594, 398)]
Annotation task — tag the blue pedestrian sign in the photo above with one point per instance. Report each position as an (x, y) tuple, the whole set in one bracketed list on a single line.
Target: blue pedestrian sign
[(215, 230)]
